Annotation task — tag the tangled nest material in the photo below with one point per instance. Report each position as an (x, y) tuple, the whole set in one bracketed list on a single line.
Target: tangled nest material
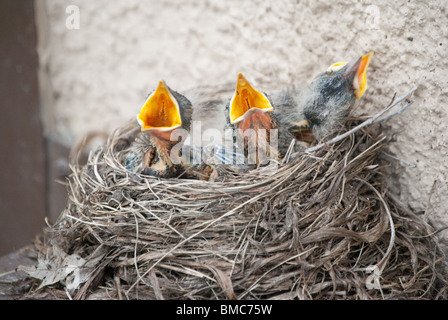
[(320, 226)]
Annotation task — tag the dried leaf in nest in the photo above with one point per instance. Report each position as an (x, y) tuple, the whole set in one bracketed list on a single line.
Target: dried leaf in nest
[(320, 226), (56, 266)]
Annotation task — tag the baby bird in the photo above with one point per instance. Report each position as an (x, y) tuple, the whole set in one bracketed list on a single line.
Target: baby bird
[(153, 153), (249, 115), (309, 114)]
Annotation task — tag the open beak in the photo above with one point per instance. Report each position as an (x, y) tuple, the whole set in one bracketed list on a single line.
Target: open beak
[(245, 99), (160, 112), (358, 68)]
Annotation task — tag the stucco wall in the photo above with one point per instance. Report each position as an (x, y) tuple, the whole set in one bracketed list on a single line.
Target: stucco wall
[(101, 72)]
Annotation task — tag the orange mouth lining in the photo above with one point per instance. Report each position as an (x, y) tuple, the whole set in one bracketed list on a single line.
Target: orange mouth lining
[(361, 76), (160, 111), (246, 98)]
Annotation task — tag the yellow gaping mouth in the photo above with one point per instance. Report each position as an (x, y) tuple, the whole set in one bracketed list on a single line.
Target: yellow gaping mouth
[(246, 98), (360, 81), (161, 111)]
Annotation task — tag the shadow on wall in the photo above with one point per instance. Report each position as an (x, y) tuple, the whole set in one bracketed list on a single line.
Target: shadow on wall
[(27, 173)]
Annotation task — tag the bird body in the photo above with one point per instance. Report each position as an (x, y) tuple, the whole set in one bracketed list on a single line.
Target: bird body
[(149, 155)]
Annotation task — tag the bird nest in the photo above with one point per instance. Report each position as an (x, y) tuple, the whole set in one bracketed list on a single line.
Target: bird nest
[(321, 225)]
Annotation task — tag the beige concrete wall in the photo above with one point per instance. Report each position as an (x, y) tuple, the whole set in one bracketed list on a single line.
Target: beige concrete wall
[(101, 72)]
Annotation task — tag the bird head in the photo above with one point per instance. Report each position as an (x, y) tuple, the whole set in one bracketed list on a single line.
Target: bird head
[(250, 113), (330, 98), (164, 111), (352, 75)]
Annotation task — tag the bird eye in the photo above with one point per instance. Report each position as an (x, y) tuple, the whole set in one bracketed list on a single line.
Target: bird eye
[(336, 66)]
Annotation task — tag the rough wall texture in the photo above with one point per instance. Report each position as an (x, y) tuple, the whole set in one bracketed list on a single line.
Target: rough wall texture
[(102, 71)]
